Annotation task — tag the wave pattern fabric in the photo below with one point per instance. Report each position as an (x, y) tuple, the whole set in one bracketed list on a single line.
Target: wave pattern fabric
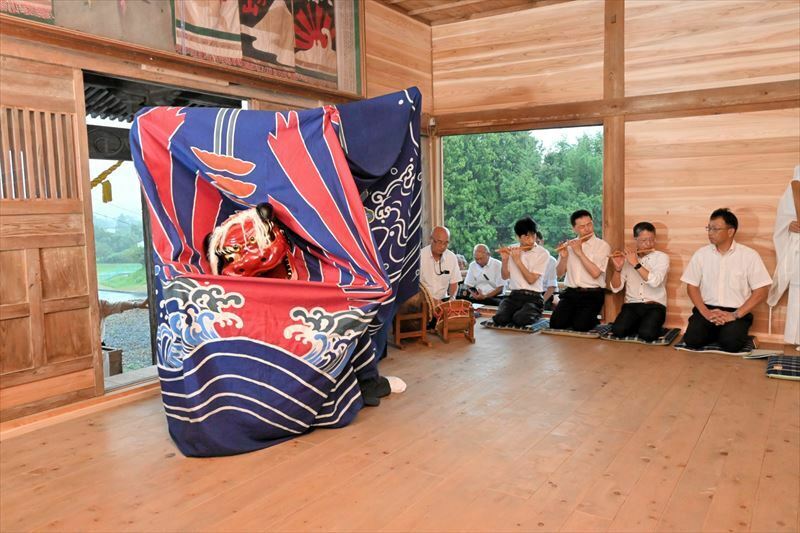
[(246, 363)]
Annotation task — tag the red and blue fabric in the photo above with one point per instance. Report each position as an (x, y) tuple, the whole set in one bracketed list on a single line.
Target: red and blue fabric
[(246, 363)]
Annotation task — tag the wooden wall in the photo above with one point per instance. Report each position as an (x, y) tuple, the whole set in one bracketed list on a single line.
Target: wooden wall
[(677, 171), (682, 45), (545, 55), (48, 296), (49, 324), (398, 53)]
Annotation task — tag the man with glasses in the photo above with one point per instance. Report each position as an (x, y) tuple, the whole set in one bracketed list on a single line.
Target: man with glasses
[(438, 266), (643, 272), (725, 281), (584, 261)]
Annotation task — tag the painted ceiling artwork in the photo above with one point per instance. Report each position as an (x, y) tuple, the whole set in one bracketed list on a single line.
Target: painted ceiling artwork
[(246, 363)]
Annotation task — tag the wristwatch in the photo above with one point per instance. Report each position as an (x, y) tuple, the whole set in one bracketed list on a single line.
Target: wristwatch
[(736, 315), (638, 266)]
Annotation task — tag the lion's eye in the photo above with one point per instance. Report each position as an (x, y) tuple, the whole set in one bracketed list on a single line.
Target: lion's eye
[(235, 247), (252, 239)]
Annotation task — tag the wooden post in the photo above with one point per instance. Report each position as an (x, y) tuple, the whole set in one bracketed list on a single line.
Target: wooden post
[(614, 140)]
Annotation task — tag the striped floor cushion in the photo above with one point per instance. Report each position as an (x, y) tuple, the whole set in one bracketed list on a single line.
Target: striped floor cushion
[(594, 333), (666, 338), (533, 328), (747, 349), (784, 367)]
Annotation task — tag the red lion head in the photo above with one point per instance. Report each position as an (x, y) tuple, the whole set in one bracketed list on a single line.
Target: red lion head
[(250, 243)]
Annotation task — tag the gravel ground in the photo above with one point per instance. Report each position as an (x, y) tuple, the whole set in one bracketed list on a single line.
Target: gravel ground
[(130, 331)]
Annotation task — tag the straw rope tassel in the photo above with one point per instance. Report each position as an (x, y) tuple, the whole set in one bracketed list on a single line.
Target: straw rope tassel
[(101, 180)]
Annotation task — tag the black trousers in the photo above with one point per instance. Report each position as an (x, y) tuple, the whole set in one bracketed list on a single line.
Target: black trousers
[(495, 300), (643, 319), (731, 336), (520, 308), (578, 309)]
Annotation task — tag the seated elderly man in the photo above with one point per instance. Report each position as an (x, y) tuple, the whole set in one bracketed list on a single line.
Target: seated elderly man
[(484, 281), (438, 266)]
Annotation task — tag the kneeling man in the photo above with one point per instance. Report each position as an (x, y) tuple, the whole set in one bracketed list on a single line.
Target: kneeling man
[(584, 261), (643, 272), (725, 281), (525, 266)]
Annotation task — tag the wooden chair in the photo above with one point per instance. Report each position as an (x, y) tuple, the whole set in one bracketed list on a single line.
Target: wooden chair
[(455, 316), (413, 317)]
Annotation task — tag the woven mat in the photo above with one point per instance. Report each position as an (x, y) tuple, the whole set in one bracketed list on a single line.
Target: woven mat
[(749, 347), (784, 367), (536, 327), (594, 333), (666, 338)]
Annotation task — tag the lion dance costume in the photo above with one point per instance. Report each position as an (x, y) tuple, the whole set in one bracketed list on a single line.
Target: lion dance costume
[(288, 340)]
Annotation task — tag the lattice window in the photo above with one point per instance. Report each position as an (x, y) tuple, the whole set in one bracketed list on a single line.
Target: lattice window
[(37, 155)]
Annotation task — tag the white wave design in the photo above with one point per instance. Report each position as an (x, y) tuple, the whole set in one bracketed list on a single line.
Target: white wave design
[(236, 395), (330, 336), (231, 408)]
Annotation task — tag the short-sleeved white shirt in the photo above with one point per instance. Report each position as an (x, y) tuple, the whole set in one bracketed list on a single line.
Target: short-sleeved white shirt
[(485, 278), (536, 261), (654, 289), (597, 250), (726, 280), (432, 272), (550, 276)]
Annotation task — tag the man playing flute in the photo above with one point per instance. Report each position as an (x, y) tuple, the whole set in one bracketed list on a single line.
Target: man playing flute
[(643, 272), (524, 266), (584, 261), (725, 281)]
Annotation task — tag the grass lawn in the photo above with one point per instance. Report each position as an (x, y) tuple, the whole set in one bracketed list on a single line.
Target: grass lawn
[(121, 277)]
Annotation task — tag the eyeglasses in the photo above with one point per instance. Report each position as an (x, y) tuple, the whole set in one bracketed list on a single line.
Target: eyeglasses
[(437, 241), (712, 229)]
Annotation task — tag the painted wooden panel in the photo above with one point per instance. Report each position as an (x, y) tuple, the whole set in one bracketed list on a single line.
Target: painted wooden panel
[(64, 272), (398, 53), (679, 45), (677, 171), (545, 55)]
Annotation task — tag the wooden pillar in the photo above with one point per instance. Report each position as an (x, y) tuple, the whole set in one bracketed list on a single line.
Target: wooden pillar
[(436, 182), (614, 140)]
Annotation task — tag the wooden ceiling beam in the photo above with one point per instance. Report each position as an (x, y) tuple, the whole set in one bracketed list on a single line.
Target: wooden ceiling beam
[(772, 95), (444, 5), (500, 11)]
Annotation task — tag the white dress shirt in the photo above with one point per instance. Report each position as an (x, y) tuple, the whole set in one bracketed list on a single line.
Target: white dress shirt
[(654, 289), (550, 276), (536, 261), (438, 275), (726, 280), (485, 278), (597, 250)]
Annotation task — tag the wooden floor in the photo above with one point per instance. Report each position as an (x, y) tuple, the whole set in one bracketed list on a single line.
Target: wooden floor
[(515, 433)]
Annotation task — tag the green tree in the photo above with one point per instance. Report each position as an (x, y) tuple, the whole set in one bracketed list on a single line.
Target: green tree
[(491, 180)]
